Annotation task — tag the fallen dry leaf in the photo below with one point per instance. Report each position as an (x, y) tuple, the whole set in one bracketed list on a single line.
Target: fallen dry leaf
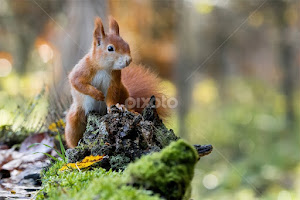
[(86, 162)]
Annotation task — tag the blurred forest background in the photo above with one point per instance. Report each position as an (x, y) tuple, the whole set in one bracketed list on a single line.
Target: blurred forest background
[(233, 65)]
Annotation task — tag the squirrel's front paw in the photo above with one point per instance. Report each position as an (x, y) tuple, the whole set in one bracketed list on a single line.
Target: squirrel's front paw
[(121, 107)]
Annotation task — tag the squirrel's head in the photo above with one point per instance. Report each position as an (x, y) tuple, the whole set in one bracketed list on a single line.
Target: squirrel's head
[(110, 51)]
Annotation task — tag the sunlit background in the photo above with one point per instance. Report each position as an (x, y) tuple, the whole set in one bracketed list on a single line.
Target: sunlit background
[(233, 66)]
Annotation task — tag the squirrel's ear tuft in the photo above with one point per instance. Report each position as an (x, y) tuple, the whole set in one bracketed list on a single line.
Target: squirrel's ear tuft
[(113, 26), (99, 33)]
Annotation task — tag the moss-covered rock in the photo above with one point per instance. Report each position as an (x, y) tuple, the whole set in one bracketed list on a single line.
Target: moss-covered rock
[(162, 175), (119, 162), (168, 172)]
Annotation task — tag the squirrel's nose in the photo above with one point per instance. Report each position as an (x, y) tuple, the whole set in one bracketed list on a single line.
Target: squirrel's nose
[(128, 60)]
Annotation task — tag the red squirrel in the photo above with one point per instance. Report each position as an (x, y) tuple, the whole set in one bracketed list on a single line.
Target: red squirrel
[(100, 80)]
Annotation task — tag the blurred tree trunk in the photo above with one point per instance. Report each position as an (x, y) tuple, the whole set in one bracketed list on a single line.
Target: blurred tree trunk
[(25, 43), (287, 58), (187, 57), (287, 62), (75, 42), (220, 60)]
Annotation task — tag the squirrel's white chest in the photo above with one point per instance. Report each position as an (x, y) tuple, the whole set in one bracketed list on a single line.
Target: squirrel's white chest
[(100, 81)]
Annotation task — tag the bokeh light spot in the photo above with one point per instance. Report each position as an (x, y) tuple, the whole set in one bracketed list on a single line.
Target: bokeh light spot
[(256, 20), (205, 91), (210, 181), (204, 7), (46, 53), (5, 67), (169, 88), (270, 172)]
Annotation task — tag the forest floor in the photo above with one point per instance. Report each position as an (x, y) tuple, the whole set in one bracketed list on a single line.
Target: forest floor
[(109, 144)]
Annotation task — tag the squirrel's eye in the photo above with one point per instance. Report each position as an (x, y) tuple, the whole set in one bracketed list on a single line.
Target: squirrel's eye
[(110, 48)]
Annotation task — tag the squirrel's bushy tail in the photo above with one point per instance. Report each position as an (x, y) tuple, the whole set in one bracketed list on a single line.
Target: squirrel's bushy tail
[(141, 84)]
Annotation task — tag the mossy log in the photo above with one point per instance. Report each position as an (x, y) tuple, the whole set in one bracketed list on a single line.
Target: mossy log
[(164, 175), (123, 136)]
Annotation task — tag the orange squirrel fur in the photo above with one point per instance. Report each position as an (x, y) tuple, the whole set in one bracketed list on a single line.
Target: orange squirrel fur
[(100, 80)]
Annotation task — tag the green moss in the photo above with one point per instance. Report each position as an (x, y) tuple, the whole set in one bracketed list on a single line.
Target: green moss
[(66, 184), (168, 173), (91, 184), (114, 189)]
